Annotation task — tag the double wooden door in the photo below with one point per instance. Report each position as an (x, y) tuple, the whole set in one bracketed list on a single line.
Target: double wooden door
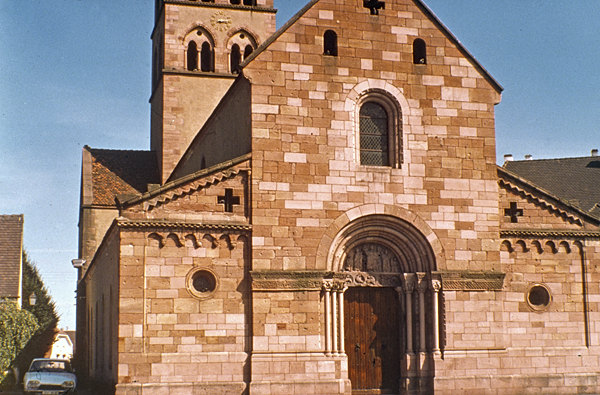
[(372, 339)]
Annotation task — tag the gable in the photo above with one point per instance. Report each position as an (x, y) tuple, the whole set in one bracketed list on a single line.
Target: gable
[(526, 206), (401, 20), (216, 194)]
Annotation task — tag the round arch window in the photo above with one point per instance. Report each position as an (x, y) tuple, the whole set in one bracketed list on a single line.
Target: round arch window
[(202, 283), (538, 297)]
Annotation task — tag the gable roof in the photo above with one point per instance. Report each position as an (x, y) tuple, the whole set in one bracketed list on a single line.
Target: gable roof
[(574, 181), (11, 255), (121, 172), (420, 4)]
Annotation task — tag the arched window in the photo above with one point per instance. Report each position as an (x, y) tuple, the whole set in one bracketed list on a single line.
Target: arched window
[(206, 58), (235, 58), (419, 52), (234, 1), (192, 56), (374, 137), (330, 46), (248, 51), (249, 2)]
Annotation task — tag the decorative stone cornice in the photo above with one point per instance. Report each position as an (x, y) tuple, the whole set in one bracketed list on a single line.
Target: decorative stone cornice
[(472, 281), (566, 233), (284, 280), (126, 223)]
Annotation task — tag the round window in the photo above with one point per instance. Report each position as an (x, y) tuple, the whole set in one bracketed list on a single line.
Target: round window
[(538, 297), (202, 283)]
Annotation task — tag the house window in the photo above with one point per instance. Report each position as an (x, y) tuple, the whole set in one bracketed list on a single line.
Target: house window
[(192, 56), (373, 135), (330, 46), (378, 130), (206, 57), (419, 52)]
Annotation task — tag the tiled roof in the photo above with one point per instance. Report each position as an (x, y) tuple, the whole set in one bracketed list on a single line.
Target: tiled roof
[(572, 180), (117, 172), (11, 250)]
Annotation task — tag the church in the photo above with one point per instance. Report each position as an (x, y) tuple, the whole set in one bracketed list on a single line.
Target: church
[(321, 212)]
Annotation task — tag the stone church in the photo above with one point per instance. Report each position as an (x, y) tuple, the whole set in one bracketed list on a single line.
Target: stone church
[(320, 212)]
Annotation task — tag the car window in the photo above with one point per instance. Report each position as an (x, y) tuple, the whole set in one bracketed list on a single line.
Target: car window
[(50, 366)]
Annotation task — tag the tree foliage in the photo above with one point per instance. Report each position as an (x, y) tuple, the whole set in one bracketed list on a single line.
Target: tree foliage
[(27, 332), (17, 326), (44, 308)]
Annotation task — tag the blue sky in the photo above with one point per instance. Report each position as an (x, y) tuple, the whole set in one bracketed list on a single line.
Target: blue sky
[(77, 72)]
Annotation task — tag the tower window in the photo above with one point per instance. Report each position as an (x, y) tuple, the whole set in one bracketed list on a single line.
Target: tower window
[(374, 138), (234, 1), (249, 2), (192, 56), (206, 58), (248, 51), (235, 58), (330, 46), (374, 6), (419, 52)]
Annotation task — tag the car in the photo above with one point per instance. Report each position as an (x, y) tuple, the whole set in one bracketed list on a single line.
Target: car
[(48, 376)]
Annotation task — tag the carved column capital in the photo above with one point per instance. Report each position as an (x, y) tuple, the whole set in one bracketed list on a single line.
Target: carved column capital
[(436, 285), (422, 283), (328, 284)]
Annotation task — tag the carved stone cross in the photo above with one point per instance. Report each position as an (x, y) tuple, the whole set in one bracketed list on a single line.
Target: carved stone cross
[(513, 212), (374, 5), (228, 200)]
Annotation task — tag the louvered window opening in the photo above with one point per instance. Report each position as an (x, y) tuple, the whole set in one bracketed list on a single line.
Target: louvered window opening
[(374, 137)]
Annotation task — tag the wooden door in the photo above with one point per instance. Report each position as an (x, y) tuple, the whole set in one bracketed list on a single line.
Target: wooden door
[(372, 339)]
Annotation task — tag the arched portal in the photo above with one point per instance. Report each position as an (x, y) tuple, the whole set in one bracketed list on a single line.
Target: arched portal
[(382, 305)]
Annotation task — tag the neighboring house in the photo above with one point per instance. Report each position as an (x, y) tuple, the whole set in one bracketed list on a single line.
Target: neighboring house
[(11, 257), (63, 347), (321, 213)]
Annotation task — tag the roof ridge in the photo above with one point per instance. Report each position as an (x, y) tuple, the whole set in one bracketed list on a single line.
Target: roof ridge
[(550, 159), (87, 147)]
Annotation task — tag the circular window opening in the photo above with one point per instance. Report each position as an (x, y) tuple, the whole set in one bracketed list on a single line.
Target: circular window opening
[(202, 283), (538, 297)]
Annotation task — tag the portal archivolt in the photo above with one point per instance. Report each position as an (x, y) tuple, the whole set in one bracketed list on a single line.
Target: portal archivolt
[(371, 257)]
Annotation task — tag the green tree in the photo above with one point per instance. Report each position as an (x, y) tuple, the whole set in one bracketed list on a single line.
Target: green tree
[(44, 308), (19, 343), (17, 326)]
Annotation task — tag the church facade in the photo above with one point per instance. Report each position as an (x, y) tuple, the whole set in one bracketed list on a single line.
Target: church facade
[(321, 213)]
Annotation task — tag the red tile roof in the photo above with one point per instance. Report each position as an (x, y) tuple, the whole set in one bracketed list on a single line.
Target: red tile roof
[(11, 251), (120, 172)]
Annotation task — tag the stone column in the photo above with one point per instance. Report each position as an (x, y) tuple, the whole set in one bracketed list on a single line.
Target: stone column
[(422, 286), (409, 382), (341, 289), (409, 289), (327, 284), (436, 286), (334, 316)]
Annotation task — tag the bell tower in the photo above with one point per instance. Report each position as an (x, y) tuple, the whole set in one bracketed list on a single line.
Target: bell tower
[(197, 46)]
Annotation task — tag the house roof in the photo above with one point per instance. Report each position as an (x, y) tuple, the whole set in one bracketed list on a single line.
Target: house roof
[(575, 181), (11, 253), (420, 4), (121, 172)]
